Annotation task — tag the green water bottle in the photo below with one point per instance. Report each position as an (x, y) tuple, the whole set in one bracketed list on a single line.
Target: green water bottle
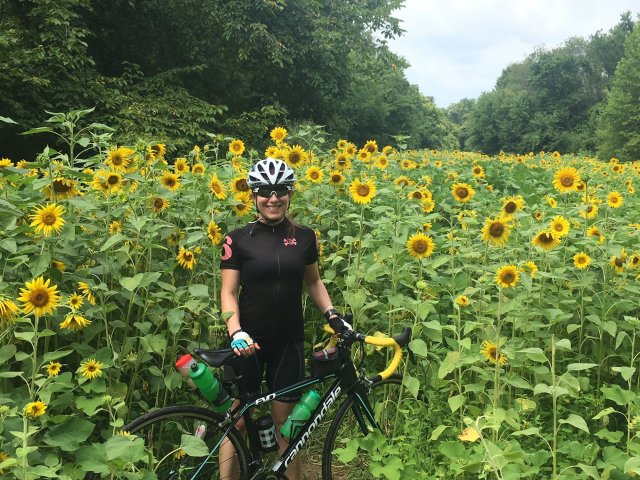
[(210, 387), (300, 414)]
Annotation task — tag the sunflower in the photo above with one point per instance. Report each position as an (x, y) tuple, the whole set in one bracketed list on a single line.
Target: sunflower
[(490, 352), (362, 192), (559, 226), (75, 301), (86, 292), (171, 181), (342, 143), (53, 369), (336, 178), (6, 162), (35, 409), (531, 268), (552, 202), (272, 151), (217, 188), (236, 147), (278, 134), (115, 227), (420, 245), (91, 369), (47, 219), (594, 231), (403, 181), (107, 181), (118, 158), (589, 211), (581, 260), (350, 149), (239, 185), (507, 276), (8, 311), (364, 155), (427, 205), (74, 322), (198, 169), (382, 162), (462, 192), (186, 258), (296, 156), (566, 179), (634, 261), (618, 262), (462, 301), (60, 188), (159, 204), (58, 265), (39, 297), (174, 237), (242, 204), (546, 240), (156, 151), (477, 171), (343, 162), (314, 174), (614, 200), (214, 233), (371, 146), (496, 231), (469, 435), (511, 205), (181, 166), (407, 164)]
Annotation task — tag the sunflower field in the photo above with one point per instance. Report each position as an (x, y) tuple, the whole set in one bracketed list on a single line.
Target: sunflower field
[(519, 275)]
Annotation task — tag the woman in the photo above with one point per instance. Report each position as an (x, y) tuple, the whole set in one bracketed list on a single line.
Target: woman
[(264, 267)]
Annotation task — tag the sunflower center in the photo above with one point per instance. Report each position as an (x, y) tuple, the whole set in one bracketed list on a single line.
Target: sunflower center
[(40, 298), (546, 238), (567, 181), (416, 195), (496, 229), (510, 207), (158, 203), (294, 157), (508, 277), (117, 160), (462, 192), (170, 182), (242, 186), (188, 257), (314, 175), (49, 218), (335, 178), (363, 190), (589, 208), (420, 246), (558, 227), (112, 180), (619, 262), (91, 368), (60, 187)]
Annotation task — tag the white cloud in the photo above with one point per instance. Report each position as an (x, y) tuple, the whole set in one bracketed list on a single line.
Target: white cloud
[(458, 48)]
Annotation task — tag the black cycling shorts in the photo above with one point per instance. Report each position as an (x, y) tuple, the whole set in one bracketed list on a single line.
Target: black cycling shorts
[(283, 363)]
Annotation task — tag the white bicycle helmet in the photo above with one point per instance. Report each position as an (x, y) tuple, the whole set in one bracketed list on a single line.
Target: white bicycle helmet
[(270, 171)]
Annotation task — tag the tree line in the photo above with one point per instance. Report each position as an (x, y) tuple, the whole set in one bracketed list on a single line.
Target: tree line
[(582, 97), (178, 71)]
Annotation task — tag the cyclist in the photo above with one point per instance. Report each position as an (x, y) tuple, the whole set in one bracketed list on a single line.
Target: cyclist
[(264, 266)]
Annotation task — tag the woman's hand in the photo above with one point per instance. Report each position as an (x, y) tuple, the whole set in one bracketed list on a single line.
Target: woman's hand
[(243, 344)]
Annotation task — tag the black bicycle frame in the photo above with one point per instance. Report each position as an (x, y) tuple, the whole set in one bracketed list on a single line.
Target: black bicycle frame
[(346, 381)]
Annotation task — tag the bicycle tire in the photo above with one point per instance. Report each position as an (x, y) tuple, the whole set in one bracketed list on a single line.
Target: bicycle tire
[(161, 431), (345, 438)]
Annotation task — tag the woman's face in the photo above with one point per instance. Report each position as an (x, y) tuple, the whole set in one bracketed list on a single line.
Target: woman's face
[(274, 207)]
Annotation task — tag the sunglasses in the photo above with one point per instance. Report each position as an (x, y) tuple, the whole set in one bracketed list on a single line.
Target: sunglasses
[(266, 192)]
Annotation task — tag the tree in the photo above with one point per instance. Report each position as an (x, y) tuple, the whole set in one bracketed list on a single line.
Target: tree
[(619, 133)]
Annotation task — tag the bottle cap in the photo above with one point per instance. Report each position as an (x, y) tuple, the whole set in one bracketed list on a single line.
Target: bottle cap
[(184, 360), (314, 394)]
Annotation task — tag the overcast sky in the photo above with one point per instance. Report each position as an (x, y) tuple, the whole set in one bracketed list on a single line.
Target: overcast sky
[(458, 48)]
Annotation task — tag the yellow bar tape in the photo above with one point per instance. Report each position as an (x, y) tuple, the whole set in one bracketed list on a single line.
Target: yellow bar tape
[(381, 342)]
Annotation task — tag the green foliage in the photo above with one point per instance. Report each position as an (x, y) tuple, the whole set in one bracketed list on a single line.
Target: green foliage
[(620, 122)]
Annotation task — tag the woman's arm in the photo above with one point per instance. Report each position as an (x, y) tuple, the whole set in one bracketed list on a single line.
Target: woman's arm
[(229, 303), (316, 288)]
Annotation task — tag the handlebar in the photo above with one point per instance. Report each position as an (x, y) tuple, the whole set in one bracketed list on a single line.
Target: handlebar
[(397, 342)]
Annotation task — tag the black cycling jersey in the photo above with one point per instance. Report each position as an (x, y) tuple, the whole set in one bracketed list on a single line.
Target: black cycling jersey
[(272, 261)]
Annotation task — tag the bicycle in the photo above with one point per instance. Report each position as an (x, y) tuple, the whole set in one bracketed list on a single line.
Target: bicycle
[(371, 404)]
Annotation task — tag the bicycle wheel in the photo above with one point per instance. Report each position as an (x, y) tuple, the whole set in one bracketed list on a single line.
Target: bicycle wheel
[(162, 430), (349, 453)]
